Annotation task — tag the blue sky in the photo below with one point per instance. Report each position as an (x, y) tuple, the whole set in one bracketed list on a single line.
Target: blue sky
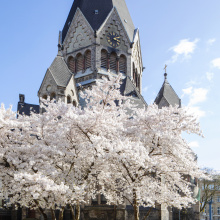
[(185, 35)]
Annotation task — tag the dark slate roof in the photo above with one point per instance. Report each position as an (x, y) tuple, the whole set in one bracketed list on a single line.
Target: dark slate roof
[(130, 90), (60, 71), (167, 92), (26, 109), (104, 7)]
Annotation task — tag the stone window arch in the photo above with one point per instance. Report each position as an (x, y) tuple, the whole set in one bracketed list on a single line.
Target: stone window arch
[(104, 59), (122, 64), (68, 99), (79, 62), (52, 96), (113, 62), (74, 103), (87, 59), (44, 97), (71, 64), (134, 73)]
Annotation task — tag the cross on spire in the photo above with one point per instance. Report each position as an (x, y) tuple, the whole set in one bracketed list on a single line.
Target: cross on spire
[(165, 68)]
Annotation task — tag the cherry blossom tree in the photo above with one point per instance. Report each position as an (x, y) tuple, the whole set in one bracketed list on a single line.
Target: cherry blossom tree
[(67, 155)]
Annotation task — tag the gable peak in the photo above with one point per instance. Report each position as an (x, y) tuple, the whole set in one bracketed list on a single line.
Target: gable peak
[(96, 12)]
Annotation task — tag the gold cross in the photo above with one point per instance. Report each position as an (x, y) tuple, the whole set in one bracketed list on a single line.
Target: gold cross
[(165, 68)]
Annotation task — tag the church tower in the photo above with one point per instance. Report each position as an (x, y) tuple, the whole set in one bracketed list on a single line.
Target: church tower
[(98, 38)]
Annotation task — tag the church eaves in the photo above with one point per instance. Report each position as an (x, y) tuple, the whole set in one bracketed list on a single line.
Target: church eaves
[(96, 12)]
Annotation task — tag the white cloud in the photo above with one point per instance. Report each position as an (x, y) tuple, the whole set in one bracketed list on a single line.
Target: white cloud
[(188, 91), (185, 48), (209, 76), (196, 110), (197, 96), (194, 144), (211, 41), (216, 63)]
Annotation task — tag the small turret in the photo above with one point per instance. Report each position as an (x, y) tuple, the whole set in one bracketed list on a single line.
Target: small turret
[(167, 96)]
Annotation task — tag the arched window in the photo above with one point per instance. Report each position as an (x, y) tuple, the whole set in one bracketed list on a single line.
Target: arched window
[(122, 64), (79, 62), (139, 82), (113, 62), (68, 99), (134, 73), (88, 59), (71, 64), (74, 103), (53, 96), (104, 59), (44, 97)]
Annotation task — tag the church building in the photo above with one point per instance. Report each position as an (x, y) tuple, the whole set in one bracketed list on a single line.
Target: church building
[(98, 39)]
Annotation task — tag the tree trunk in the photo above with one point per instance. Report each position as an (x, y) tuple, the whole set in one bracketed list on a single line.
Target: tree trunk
[(148, 213), (61, 213), (136, 206), (72, 212), (41, 210), (53, 214), (76, 212)]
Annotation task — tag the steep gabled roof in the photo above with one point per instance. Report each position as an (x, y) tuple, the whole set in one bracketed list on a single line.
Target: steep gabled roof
[(60, 71), (104, 7), (167, 94), (128, 89)]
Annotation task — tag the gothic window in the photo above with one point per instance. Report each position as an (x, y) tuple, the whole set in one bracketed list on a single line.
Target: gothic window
[(74, 103), (138, 81), (104, 59), (53, 96), (68, 99), (88, 59), (113, 62), (79, 62), (122, 64), (134, 74), (136, 78), (71, 64)]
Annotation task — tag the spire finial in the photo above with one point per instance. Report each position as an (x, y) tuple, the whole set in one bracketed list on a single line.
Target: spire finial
[(165, 74)]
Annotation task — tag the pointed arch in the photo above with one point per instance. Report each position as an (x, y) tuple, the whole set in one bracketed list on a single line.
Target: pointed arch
[(113, 62), (52, 96), (74, 103), (104, 59), (79, 62), (123, 64), (87, 59), (68, 99), (44, 97), (134, 74), (71, 64)]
